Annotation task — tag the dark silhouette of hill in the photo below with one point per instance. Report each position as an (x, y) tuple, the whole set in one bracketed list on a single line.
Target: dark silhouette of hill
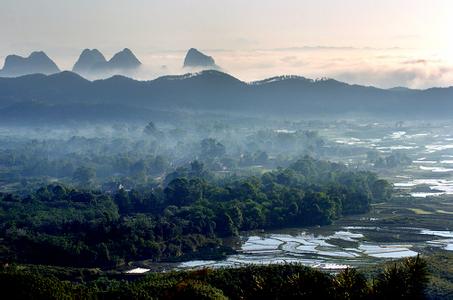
[(88, 61), (196, 59), (35, 112), (36, 63), (124, 60), (92, 64), (214, 91)]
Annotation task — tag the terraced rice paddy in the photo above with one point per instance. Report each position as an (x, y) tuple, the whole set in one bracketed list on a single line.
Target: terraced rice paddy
[(350, 247)]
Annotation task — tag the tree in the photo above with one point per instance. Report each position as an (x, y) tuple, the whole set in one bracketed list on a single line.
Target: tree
[(211, 148), (183, 191), (261, 158), (84, 175), (350, 284), (381, 190), (191, 289), (417, 276), (197, 168), (406, 280), (158, 165), (317, 208), (123, 201), (150, 129), (225, 225)]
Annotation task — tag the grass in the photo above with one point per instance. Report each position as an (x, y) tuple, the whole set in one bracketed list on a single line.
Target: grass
[(440, 211), (440, 265), (420, 211)]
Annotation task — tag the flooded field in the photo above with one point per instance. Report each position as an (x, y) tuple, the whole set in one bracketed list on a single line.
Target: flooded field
[(429, 148), (352, 246), (418, 221)]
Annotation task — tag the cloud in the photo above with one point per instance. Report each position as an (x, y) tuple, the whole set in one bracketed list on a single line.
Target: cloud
[(293, 61), (415, 61), (377, 67), (413, 77), (381, 68)]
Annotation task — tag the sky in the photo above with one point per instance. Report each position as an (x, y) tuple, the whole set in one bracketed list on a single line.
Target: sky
[(385, 43)]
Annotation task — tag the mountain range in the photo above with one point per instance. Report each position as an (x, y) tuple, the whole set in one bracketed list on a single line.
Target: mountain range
[(36, 62), (92, 63), (215, 91)]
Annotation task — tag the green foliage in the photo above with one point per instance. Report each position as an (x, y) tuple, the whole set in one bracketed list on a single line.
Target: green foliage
[(19, 285), (84, 175), (394, 160), (351, 284), (289, 281), (408, 280), (192, 289), (65, 226), (211, 149)]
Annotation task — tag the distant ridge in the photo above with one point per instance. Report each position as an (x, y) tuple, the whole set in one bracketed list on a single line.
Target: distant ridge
[(280, 78), (215, 91), (36, 63), (196, 59)]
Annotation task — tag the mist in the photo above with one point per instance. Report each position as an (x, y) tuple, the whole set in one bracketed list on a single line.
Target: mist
[(235, 150), (379, 67)]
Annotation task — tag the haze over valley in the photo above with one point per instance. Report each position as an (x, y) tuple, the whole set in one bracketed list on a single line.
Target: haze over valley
[(237, 150)]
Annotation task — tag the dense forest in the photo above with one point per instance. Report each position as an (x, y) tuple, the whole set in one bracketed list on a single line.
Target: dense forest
[(186, 215)]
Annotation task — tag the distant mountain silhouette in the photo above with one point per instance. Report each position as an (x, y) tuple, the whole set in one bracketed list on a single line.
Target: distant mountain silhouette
[(88, 61), (36, 112), (214, 91), (124, 60), (93, 64), (37, 63), (196, 59)]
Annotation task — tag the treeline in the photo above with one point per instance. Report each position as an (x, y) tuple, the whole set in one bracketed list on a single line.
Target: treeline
[(59, 225), (138, 157), (406, 279), (393, 160)]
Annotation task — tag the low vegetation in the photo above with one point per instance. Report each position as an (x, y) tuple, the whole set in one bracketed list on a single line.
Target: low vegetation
[(406, 279)]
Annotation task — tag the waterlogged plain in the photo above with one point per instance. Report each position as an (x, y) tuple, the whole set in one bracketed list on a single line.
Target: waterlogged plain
[(429, 148), (418, 221), (333, 247), (390, 231)]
